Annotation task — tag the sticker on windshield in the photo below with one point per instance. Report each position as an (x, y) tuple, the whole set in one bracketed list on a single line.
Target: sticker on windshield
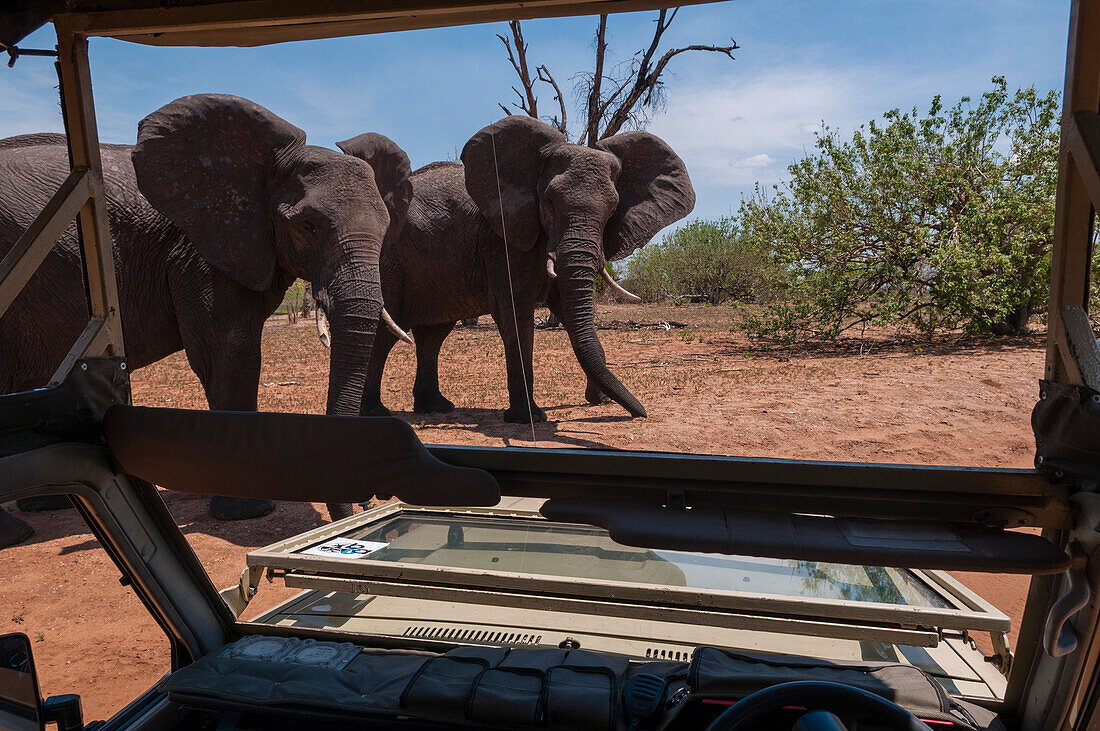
[(345, 548)]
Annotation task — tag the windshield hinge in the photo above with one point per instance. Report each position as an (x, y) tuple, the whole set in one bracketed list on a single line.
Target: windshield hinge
[(1059, 637), (1002, 656), (238, 596)]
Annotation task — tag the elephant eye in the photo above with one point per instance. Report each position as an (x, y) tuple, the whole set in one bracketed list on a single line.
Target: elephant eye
[(309, 226)]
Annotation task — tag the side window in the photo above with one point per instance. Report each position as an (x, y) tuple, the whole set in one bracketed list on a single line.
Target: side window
[(89, 634)]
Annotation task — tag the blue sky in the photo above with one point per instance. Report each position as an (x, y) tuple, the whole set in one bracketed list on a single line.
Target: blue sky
[(735, 123)]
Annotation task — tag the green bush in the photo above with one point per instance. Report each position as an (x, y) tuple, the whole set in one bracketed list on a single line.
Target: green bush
[(293, 300), (941, 221), (708, 260)]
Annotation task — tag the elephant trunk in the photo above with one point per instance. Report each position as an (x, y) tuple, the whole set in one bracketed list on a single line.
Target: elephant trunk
[(576, 269), (351, 298)]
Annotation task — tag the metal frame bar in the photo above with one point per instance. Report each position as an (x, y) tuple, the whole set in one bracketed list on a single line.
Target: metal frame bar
[(844, 489), (610, 608), (1078, 187), (1071, 355), (82, 197), (78, 108), (24, 258), (274, 21)]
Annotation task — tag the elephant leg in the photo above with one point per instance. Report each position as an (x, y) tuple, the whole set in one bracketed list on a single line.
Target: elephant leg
[(43, 503), (593, 395), (427, 398), (227, 362), (372, 405), (517, 357), (13, 530)]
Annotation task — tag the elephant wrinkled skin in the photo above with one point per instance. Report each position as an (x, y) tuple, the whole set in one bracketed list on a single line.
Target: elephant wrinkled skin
[(564, 210), (214, 212)]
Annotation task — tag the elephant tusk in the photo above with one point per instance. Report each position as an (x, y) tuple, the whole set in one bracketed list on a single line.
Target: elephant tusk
[(550, 268), (616, 287), (322, 329), (394, 328), (325, 335)]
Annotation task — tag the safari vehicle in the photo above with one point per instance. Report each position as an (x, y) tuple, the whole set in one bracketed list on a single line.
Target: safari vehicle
[(607, 589)]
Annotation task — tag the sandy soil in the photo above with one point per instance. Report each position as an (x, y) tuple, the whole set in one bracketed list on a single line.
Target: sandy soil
[(952, 400)]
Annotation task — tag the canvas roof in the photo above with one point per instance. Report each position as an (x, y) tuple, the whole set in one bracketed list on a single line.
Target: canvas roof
[(259, 22)]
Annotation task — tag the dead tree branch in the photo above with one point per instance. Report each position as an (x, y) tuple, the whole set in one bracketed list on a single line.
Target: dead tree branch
[(635, 85), (545, 76), (647, 82), (528, 102), (592, 130)]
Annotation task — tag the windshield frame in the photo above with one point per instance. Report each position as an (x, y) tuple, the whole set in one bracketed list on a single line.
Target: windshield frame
[(967, 612)]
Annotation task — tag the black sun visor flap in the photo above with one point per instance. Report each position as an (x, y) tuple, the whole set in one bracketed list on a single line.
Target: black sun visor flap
[(300, 457), (904, 544)]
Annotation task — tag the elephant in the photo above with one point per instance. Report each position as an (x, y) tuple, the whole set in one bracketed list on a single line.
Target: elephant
[(214, 212), (525, 218)]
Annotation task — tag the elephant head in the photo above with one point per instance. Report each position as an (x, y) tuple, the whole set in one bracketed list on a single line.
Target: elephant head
[(586, 205), (255, 200)]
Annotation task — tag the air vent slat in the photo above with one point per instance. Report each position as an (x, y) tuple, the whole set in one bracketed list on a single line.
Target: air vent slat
[(657, 652), (466, 634)]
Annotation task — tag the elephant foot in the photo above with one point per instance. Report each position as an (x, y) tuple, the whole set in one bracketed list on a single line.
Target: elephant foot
[(435, 403), (44, 502), (594, 396), (375, 410), (13, 530), (519, 415), (337, 511), (239, 508)]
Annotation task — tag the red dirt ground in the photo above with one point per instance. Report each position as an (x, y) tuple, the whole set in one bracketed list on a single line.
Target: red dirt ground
[(951, 400)]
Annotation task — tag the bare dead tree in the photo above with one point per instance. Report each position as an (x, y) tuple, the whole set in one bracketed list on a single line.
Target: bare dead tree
[(624, 96), (642, 83), (592, 129), (528, 102), (559, 123)]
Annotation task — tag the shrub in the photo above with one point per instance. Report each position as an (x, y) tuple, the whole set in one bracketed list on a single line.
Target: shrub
[(941, 220), (705, 259)]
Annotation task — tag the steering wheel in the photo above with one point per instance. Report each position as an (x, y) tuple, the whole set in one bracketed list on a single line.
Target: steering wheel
[(826, 703)]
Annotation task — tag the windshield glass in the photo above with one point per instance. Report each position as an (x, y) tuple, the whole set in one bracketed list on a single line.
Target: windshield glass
[(549, 549)]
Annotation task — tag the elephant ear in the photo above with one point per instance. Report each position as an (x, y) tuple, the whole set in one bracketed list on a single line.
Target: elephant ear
[(392, 171), (654, 191), (502, 164), (204, 162)]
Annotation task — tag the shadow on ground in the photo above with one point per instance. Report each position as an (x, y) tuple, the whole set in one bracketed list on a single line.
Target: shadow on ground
[(879, 346), (490, 423), (191, 514)]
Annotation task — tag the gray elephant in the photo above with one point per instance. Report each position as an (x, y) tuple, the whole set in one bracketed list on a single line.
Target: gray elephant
[(214, 212), (525, 201)]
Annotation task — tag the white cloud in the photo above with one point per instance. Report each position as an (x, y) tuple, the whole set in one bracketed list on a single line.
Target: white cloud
[(750, 128), (755, 161)]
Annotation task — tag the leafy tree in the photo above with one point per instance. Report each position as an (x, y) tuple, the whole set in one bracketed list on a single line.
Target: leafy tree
[(941, 220), (704, 258)]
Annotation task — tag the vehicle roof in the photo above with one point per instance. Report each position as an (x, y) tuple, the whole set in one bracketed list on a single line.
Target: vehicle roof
[(260, 22)]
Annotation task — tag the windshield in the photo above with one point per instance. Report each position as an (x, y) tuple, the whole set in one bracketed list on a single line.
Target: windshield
[(549, 549)]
